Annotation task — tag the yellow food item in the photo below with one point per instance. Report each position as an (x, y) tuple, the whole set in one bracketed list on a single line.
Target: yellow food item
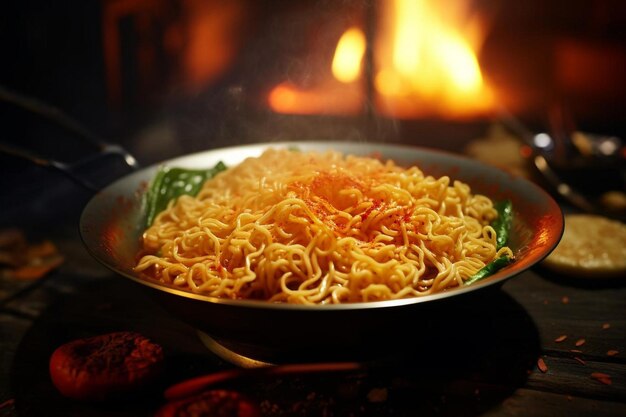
[(591, 246), (321, 228)]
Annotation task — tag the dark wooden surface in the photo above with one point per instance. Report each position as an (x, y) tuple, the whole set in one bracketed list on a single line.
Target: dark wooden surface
[(487, 366)]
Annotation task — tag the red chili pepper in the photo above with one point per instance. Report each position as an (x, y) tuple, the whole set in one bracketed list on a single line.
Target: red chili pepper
[(105, 366)]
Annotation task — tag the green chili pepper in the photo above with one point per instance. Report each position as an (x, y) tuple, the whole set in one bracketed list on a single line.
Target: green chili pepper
[(489, 269), (170, 183), (502, 225)]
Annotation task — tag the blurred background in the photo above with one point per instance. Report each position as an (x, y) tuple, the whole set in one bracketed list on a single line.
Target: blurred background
[(165, 78)]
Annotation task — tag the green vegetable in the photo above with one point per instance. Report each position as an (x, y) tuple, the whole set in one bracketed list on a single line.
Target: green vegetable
[(502, 225), (489, 269), (170, 183)]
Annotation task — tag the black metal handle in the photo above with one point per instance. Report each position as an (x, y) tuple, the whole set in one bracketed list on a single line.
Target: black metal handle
[(77, 171)]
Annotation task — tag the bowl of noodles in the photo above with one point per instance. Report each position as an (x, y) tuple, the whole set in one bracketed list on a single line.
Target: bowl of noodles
[(313, 249)]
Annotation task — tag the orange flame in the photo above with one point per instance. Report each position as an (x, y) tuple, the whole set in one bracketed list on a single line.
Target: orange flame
[(425, 64), (341, 94), (349, 55)]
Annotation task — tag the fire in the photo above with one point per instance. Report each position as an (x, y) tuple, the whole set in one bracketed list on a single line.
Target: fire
[(425, 64), (349, 55), (340, 94)]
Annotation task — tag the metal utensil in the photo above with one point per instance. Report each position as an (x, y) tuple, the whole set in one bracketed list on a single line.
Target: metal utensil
[(579, 166)]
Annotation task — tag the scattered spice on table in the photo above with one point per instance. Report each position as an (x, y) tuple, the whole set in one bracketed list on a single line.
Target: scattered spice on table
[(541, 364), (582, 362), (612, 352), (606, 326), (580, 342), (602, 377), (560, 338), (565, 299)]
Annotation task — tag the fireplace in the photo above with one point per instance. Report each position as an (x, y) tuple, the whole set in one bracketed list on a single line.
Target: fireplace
[(169, 77), (365, 70)]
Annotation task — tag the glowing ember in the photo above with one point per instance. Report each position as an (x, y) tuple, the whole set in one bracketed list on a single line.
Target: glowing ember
[(331, 98)]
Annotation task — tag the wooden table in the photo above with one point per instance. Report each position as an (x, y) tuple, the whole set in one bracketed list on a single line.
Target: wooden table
[(489, 369)]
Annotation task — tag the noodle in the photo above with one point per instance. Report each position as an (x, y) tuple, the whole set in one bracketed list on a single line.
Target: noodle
[(319, 228)]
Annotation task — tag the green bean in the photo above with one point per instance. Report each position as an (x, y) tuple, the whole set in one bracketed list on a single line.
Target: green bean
[(502, 226)]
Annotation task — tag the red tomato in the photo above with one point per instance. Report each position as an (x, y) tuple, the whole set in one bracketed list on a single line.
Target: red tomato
[(105, 366), (213, 403)]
